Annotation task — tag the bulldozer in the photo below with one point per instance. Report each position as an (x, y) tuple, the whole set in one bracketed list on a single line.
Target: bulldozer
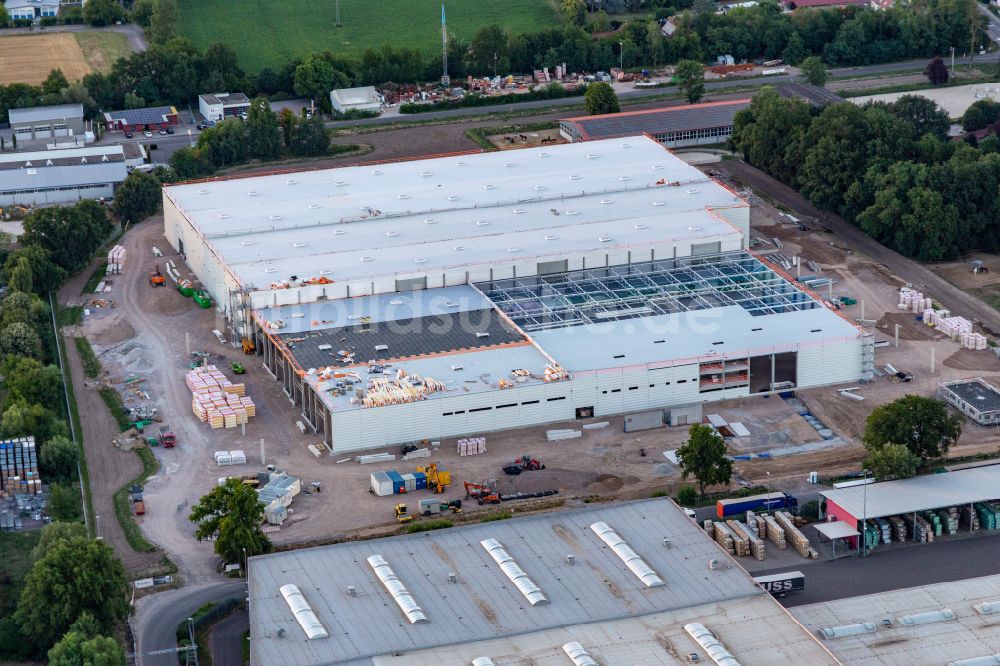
[(401, 515), (156, 278), (437, 479)]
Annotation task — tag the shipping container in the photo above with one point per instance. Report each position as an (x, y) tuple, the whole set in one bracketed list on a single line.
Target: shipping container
[(765, 502), (398, 485), (409, 482), (381, 484), (421, 480), (644, 421)]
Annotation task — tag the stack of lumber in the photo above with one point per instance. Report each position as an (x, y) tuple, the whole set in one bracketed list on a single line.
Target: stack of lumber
[(922, 531), (934, 521), (898, 528), (970, 519), (709, 528), (216, 400), (775, 532), (792, 533), (724, 537), (752, 523), (754, 544), (741, 544), (762, 527)]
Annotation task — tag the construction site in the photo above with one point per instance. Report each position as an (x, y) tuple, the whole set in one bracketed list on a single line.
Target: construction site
[(541, 340)]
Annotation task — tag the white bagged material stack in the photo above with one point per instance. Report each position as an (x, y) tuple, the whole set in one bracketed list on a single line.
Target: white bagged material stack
[(238, 457)]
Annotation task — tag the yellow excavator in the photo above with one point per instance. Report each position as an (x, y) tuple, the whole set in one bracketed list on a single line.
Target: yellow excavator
[(437, 479)]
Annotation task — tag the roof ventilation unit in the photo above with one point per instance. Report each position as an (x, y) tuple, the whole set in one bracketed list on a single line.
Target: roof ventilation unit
[(513, 249), (459, 248), (605, 202), (402, 196), (366, 259), (694, 228), (624, 178), (483, 661), (453, 197), (424, 174), (450, 304), (510, 165), (463, 164), (517, 211), (539, 188), (325, 272), (572, 212), (339, 232), (847, 630), (574, 177), (550, 237), (591, 156), (626, 145), (717, 652), (605, 239), (376, 172), (270, 270), (625, 553), (275, 217), (430, 221), (313, 205), (291, 182), (303, 612), (224, 216), (658, 203), (392, 234), (339, 183), (930, 617), (489, 187), (657, 167), (253, 193), (578, 654), (690, 191), (515, 573), (988, 607), (246, 242), (988, 660), (642, 226), (543, 154), (403, 598), (420, 260), (482, 334), (298, 244), (202, 191), (482, 223)]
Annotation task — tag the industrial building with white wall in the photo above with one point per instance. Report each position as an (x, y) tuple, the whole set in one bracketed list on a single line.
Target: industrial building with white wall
[(480, 292)]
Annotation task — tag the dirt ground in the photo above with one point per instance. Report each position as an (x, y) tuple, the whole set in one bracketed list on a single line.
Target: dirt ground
[(526, 140), (30, 58)]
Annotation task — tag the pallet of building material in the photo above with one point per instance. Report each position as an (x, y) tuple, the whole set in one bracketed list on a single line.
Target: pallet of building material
[(898, 528), (724, 537), (471, 446), (562, 434), (756, 545), (792, 533), (969, 519), (885, 529), (417, 453), (761, 527), (934, 520), (775, 533), (741, 543), (596, 426), (949, 520), (709, 527), (751, 522), (987, 516), (375, 458), (872, 535)]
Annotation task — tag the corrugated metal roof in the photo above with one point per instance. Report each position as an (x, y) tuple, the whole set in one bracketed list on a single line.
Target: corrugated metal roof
[(14, 180), (659, 121), (920, 493), (969, 636), (483, 604), (62, 157), (36, 114)]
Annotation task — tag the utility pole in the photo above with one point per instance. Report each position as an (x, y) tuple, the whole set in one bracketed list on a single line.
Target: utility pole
[(445, 79), (953, 61), (621, 55)]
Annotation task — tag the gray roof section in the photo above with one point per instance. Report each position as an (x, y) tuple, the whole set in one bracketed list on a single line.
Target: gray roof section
[(62, 176), (977, 392), (227, 99), (62, 157), (921, 493), (37, 114), (659, 121), (483, 604)]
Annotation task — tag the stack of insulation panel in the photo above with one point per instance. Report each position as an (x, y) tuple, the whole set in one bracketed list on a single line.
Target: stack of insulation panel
[(472, 446), (216, 400), (19, 467), (913, 301), (116, 260)]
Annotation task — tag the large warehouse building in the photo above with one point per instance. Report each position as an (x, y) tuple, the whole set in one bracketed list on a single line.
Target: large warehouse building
[(597, 583), (61, 176), (472, 293)]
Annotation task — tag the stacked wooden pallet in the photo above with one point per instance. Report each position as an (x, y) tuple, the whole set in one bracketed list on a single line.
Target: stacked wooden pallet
[(792, 533), (754, 543), (898, 528), (724, 537), (775, 533)]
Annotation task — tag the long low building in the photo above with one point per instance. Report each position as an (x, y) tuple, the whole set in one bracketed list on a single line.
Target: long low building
[(61, 176), (953, 623), (472, 293), (673, 126), (636, 583)]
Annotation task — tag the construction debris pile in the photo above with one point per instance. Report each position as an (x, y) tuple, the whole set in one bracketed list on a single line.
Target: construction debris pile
[(19, 467), (116, 260), (216, 400)]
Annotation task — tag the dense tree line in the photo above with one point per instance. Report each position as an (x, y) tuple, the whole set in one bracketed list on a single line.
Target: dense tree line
[(173, 71), (889, 168)]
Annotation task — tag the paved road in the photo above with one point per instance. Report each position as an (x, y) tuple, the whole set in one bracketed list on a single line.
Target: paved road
[(993, 28), (226, 639), (134, 34), (159, 614), (958, 301), (903, 566)]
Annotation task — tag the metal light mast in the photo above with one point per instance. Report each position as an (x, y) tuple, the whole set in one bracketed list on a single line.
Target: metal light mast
[(445, 79)]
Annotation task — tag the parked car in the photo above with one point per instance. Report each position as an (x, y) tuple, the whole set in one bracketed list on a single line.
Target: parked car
[(170, 129), (128, 135), (147, 134), (200, 126), (163, 132)]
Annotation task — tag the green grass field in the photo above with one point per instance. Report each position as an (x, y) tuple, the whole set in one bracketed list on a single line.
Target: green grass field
[(268, 34)]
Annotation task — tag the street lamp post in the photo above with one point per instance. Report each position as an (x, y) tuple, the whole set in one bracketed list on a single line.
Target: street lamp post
[(244, 562), (621, 55), (864, 515)]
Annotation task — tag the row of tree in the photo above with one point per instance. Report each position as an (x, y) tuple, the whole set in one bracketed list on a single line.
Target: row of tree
[(173, 71), (889, 168)]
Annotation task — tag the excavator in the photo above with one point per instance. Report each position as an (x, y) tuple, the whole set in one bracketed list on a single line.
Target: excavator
[(482, 492), (523, 464), (437, 479), (156, 278)]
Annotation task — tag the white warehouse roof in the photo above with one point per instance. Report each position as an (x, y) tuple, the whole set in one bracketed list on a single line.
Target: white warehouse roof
[(352, 96), (459, 211), (483, 604), (920, 493)]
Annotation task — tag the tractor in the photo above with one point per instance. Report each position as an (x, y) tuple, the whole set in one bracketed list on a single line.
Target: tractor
[(523, 464)]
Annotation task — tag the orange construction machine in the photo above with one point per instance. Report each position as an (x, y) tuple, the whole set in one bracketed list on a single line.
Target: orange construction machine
[(156, 278)]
